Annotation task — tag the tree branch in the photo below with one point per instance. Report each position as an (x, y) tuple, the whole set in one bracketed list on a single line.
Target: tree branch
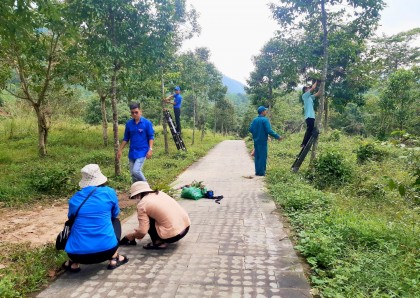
[(53, 47), (18, 96)]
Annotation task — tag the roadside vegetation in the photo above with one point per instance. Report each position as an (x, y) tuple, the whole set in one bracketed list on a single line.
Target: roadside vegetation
[(354, 213), (29, 179)]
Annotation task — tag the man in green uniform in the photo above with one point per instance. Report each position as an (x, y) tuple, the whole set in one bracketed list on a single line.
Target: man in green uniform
[(260, 129)]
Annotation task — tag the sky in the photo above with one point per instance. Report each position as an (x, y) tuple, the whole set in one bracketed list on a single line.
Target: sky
[(236, 30)]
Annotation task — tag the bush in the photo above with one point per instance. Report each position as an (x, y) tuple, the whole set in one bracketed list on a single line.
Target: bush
[(334, 136), (367, 152), (330, 169), (52, 181)]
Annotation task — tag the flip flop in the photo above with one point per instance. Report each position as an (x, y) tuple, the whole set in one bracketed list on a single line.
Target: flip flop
[(152, 246)]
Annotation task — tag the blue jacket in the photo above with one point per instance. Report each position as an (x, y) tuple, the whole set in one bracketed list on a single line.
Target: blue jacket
[(138, 135), (260, 129), (92, 230)]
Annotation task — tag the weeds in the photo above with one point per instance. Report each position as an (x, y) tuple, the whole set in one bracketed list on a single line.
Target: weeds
[(359, 237)]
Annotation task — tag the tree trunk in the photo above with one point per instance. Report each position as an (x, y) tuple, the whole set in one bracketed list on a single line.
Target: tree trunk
[(164, 124), (104, 119), (117, 164), (215, 120), (318, 121), (203, 124), (194, 116), (42, 130), (326, 104)]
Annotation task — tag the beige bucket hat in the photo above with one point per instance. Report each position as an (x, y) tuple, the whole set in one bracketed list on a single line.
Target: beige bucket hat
[(139, 187), (92, 176)]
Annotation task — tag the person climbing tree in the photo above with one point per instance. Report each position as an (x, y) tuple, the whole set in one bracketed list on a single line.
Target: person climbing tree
[(308, 107)]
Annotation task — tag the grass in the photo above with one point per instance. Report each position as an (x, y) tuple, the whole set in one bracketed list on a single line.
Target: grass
[(28, 179), (359, 237)]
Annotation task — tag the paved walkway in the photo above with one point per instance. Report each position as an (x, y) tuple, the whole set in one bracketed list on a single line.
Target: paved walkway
[(235, 249)]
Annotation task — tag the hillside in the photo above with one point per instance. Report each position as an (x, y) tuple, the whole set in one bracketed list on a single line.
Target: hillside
[(233, 85)]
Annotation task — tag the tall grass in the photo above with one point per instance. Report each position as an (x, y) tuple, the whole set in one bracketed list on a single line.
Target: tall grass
[(28, 178), (360, 238)]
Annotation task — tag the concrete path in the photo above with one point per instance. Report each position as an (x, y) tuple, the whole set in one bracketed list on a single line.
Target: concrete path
[(235, 249)]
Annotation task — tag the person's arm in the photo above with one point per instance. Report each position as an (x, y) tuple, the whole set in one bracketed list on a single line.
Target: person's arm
[(150, 137), (144, 225), (313, 86), (168, 98), (116, 208), (123, 143), (150, 152), (270, 131)]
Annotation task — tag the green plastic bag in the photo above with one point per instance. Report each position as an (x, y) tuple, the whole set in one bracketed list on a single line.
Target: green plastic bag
[(193, 193)]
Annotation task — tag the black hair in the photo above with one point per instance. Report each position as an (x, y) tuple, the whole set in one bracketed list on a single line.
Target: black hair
[(134, 105), (145, 193), (304, 89)]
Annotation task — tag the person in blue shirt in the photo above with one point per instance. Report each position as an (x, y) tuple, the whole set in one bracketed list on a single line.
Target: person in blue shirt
[(308, 107), (260, 129), (139, 132), (96, 232), (177, 106)]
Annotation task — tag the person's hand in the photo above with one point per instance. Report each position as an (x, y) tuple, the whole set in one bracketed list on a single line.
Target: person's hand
[(119, 153), (281, 138), (126, 241), (149, 154)]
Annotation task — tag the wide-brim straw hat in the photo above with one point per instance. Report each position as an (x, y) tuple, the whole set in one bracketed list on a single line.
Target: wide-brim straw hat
[(92, 176), (139, 187)]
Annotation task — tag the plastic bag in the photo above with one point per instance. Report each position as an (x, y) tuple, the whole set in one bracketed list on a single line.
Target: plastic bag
[(193, 193)]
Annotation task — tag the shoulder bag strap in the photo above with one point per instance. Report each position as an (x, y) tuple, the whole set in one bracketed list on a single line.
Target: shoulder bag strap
[(77, 212)]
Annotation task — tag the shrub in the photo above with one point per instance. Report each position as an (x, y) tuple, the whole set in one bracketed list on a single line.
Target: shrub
[(334, 135), (52, 181), (367, 152), (330, 169)]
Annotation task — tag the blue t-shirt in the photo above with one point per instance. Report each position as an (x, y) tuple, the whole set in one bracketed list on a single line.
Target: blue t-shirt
[(308, 104), (260, 129), (92, 230), (138, 135), (177, 100)]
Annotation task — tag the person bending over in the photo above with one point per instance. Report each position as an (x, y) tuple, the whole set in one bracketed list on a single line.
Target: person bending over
[(159, 215)]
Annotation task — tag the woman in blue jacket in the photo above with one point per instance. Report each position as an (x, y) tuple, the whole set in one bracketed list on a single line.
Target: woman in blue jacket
[(93, 238)]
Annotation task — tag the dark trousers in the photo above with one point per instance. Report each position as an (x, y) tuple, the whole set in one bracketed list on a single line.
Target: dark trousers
[(93, 258), (260, 158), (177, 113), (99, 257), (155, 237), (310, 124)]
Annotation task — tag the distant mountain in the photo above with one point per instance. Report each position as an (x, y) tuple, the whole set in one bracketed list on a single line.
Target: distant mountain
[(233, 86)]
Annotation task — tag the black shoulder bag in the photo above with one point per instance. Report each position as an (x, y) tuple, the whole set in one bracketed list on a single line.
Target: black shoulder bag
[(63, 236)]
